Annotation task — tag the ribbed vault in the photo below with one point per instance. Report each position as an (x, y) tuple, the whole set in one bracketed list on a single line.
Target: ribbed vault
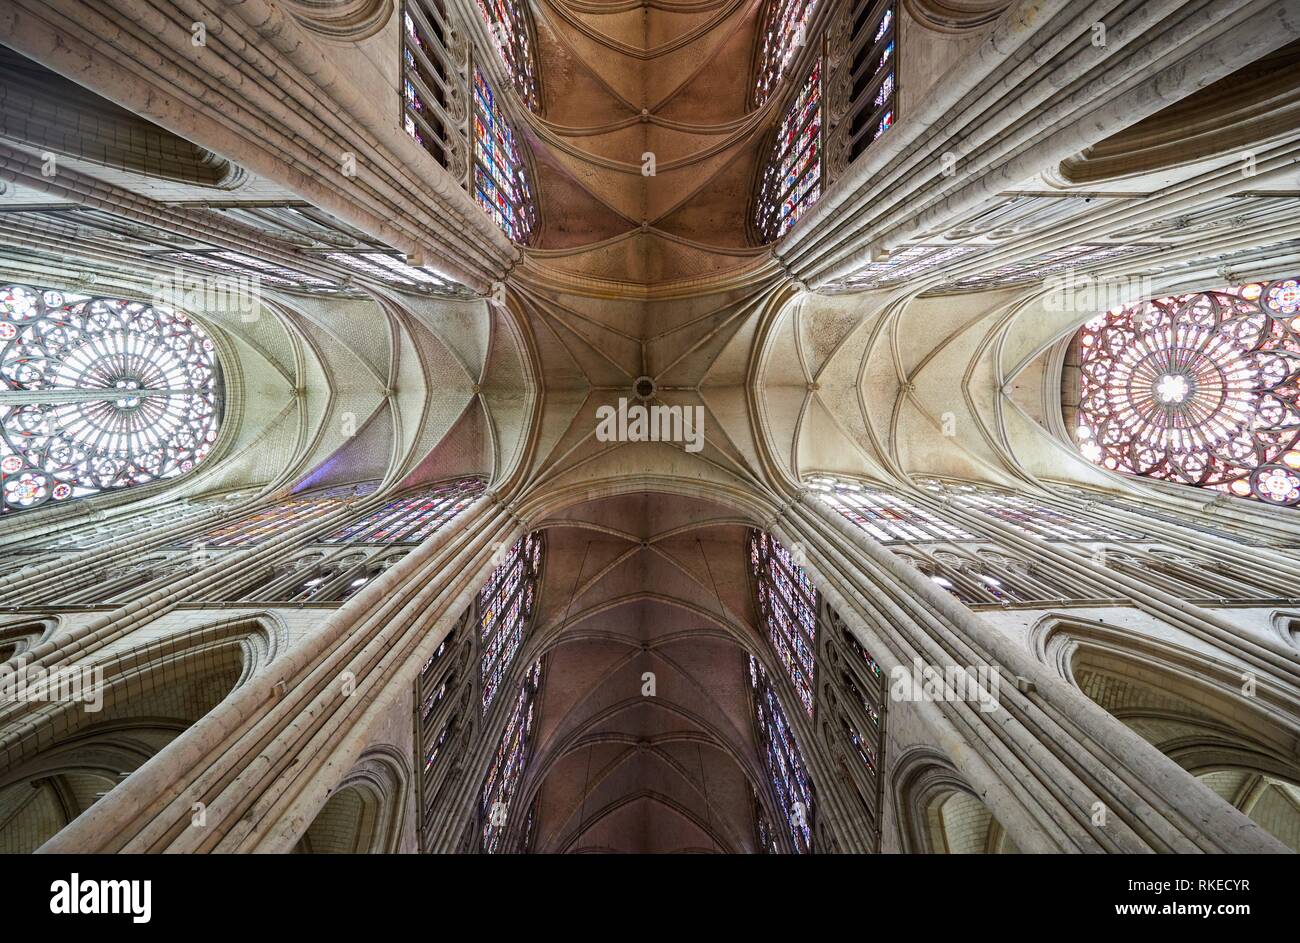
[(647, 147), (645, 744), (902, 328), (390, 379)]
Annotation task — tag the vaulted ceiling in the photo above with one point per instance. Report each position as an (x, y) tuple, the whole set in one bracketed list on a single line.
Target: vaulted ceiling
[(932, 306), (646, 146), (645, 150), (645, 742)]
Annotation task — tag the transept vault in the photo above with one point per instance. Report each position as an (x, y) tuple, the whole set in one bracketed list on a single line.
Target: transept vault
[(404, 592)]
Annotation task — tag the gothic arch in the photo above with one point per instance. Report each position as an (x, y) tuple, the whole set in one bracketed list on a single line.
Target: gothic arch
[(59, 784), (901, 328), (49, 112), (18, 635), (367, 812), (342, 20), (1255, 105), (937, 812), (1286, 625), (960, 824), (643, 599), (1191, 708), (955, 16), (70, 754), (1070, 645)]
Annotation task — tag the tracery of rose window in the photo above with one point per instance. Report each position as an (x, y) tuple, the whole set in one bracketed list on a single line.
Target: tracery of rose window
[(1199, 389), (98, 394)]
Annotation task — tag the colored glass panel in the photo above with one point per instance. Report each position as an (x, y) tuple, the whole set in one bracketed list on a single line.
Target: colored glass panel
[(507, 769), (791, 182), (500, 181), (410, 519), (102, 394), (787, 605), (1198, 389), (505, 606), (783, 759)]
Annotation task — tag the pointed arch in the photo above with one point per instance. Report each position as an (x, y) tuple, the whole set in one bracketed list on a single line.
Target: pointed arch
[(1208, 716), (366, 812), (62, 756)]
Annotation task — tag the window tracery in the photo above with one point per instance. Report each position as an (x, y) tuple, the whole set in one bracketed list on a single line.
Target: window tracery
[(1199, 389), (1027, 515), (507, 769), (784, 32), (507, 21), (410, 519), (787, 604), (505, 606), (859, 737), (951, 555), (1184, 573), (783, 759), (450, 108), (319, 577), (432, 86), (1146, 510), (870, 65), (441, 727), (500, 178), (989, 577), (268, 522), (791, 180), (764, 837), (99, 394), (135, 524), (886, 516)]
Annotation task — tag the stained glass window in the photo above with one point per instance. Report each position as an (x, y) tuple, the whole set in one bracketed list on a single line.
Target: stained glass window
[(410, 519), (505, 606), (507, 21), (860, 735), (1199, 389), (869, 670), (787, 604), (437, 681), (1182, 520), (1028, 515), (886, 516), (989, 576), (862, 746), (784, 32), (99, 394), (1184, 573), (431, 701), (275, 519), (500, 181), (871, 97), (445, 700), (764, 839), (391, 270), (507, 769), (791, 181), (150, 521), (852, 687), (438, 654), (784, 762), (429, 83), (434, 749), (860, 653), (530, 825)]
